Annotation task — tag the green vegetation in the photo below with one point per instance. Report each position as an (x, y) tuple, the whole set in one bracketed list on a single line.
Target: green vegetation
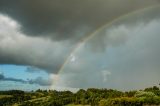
[(89, 97)]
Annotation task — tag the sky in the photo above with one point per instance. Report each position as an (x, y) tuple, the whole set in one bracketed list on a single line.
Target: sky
[(123, 55), (72, 44)]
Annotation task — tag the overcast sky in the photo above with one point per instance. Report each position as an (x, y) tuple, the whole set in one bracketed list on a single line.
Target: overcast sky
[(42, 35), (123, 55)]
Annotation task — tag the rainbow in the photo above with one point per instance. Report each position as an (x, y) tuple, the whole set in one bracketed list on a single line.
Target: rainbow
[(89, 36)]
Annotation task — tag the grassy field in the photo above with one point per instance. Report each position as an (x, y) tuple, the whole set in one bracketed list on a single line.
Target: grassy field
[(5, 96), (76, 105), (42, 99)]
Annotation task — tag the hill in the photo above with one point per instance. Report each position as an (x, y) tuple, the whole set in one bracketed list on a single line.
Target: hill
[(89, 97)]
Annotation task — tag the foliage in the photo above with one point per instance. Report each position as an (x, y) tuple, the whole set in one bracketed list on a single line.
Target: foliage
[(144, 94), (89, 97)]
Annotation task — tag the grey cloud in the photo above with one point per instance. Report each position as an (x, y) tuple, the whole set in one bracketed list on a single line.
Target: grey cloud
[(39, 80), (17, 48), (118, 31), (3, 78), (133, 61), (53, 19), (61, 19), (32, 69)]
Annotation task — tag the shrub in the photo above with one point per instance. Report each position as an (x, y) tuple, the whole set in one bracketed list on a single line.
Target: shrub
[(144, 94)]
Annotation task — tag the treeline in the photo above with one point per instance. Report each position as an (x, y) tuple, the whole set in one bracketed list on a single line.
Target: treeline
[(12, 92), (91, 96), (7, 98)]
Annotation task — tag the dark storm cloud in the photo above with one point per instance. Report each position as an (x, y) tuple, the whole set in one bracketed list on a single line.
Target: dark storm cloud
[(60, 19), (25, 23), (113, 36), (20, 49)]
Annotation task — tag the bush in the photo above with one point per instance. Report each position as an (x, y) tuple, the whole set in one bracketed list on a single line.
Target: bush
[(144, 94)]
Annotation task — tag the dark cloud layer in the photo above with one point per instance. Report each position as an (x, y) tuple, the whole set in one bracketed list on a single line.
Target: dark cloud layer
[(3, 78), (25, 24), (39, 80), (60, 19), (20, 49), (31, 69)]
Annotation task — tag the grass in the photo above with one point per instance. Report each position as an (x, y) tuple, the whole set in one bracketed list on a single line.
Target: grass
[(5, 96), (76, 105)]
